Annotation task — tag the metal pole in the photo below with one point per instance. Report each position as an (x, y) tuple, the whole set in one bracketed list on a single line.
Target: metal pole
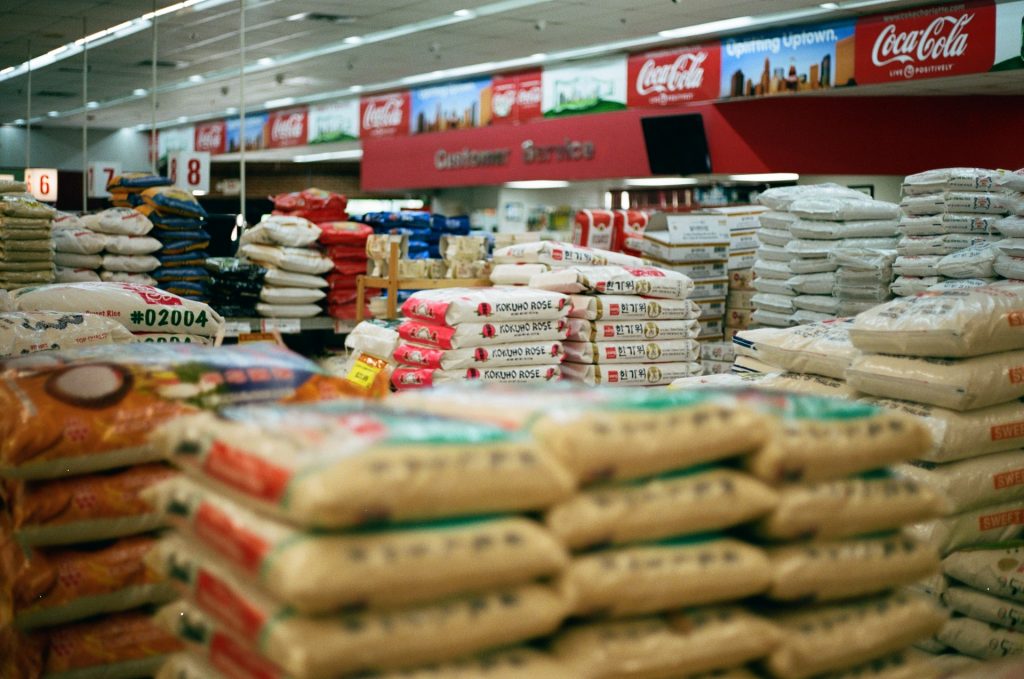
[(28, 111), (85, 120), (152, 121), (241, 110)]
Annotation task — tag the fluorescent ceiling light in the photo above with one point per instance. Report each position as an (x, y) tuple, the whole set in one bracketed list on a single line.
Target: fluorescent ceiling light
[(53, 114), (182, 119), (829, 5), (356, 88), (765, 177), (278, 103), (353, 154), (196, 78), (265, 61), (661, 181), (857, 4), (231, 110), (464, 13), (538, 56), (93, 104), (298, 17), (352, 40), (140, 127), (139, 92), (710, 27), (198, 192), (537, 184)]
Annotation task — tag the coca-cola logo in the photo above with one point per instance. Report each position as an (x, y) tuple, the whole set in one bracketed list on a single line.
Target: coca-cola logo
[(379, 115), (502, 102), (944, 38), (529, 96), (685, 73), (287, 128), (209, 137)]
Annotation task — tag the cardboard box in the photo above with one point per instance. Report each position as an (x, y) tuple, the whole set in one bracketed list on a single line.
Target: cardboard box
[(739, 217), (686, 238), (709, 288), (743, 240), (711, 327), (742, 259), (741, 319), (695, 270), (741, 279), (709, 308), (716, 367), (740, 299)]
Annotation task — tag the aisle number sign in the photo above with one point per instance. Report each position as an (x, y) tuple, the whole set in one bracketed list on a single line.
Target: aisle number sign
[(42, 183), (190, 170), (100, 174)]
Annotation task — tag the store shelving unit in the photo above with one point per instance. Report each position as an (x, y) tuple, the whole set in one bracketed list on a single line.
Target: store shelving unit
[(392, 283), (233, 327)]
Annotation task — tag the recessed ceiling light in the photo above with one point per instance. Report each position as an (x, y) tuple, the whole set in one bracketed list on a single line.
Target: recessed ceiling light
[(353, 154), (196, 78), (278, 103), (765, 177), (352, 40), (53, 114), (231, 110), (93, 104), (661, 181), (538, 56), (298, 17), (265, 61), (464, 13), (829, 5), (182, 119), (139, 92), (709, 27), (356, 88), (537, 184)]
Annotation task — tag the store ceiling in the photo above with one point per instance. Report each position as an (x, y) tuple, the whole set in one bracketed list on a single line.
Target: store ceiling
[(205, 43)]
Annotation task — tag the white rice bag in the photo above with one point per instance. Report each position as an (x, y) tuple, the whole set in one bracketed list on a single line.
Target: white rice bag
[(963, 284), (773, 319), (774, 219), (555, 254), (631, 374), (66, 220), (78, 241), (664, 351), (885, 228), (771, 269), (492, 356), (773, 253), (74, 261), (980, 639), (808, 266), (1009, 267), (951, 323), (466, 335), (410, 378), (820, 348), (131, 263), (452, 306), (24, 332), (616, 280), (949, 222), (774, 237), (290, 279), (813, 284), (1014, 247), (290, 231), (985, 607), (581, 330), (1011, 227), (123, 277), (132, 245), (782, 197), (975, 482), (288, 310), (515, 274), (804, 317), (950, 179), (916, 265), (973, 262), (627, 307), (810, 249), (905, 286), (840, 209), (780, 304), (997, 523), (822, 304), (993, 569), (774, 286), (299, 260), (65, 274), (123, 221), (272, 294)]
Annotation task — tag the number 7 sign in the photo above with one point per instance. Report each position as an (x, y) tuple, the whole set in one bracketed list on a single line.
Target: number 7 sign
[(100, 174), (190, 170)]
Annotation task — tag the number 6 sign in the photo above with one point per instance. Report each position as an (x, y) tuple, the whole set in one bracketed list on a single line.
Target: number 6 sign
[(42, 183), (190, 170), (100, 174)]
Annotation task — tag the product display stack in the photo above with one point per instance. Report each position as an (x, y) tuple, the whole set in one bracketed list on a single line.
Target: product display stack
[(77, 250), (316, 205), (954, 358), (126, 188), (26, 242), (629, 326), (345, 244), (360, 567), (950, 228), (128, 254), (235, 286), (179, 225), (507, 335), (294, 282), (423, 229)]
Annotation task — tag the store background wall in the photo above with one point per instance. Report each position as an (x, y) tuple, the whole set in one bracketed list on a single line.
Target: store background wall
[(886, 187), (514, 206), (61, 147)]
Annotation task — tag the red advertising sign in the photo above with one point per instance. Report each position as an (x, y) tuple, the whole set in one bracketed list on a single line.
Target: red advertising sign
[(286, 128), (516, 97), (672, 77), (932, 42), (386, 115), (212, 137)]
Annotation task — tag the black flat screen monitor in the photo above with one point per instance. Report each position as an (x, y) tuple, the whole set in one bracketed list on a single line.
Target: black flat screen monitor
[(676, 144)]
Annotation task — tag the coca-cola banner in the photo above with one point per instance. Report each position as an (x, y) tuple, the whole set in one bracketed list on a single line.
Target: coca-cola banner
[(286, 128), (929, 42), (781, 61), (672, 77), (516, 97), (385, 115), (211, 137), (334, 122)]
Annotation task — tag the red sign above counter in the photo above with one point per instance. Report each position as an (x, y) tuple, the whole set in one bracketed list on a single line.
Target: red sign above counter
[(386, 115), (672, 77), (287, 128), (516, 97), (933, 42), (212, 137)]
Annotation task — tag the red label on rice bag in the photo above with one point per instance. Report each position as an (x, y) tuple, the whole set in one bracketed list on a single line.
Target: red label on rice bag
[(1008, 479), (221, 601), (219, 531), (151, 295), (245, 472), (424, 333), (419, 356), (1014, 517), (237, 662), (1013, 430), (404, 378)]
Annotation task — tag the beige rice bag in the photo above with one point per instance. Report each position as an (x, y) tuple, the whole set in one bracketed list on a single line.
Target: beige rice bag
[(908, 664), (958, 384), (332, 466), (821, 440), (666, 648), (953, 323), (839, 509), (830, 571), (320, 572), (998, 523), (822, 348), (972, 483), (981, 640), (646, 579), (830, 638), (329, 646), (984, 607), (998, 571), (660, 508), (588, 430)]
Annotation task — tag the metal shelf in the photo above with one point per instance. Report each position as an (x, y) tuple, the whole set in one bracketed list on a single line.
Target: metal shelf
[(286, 326)]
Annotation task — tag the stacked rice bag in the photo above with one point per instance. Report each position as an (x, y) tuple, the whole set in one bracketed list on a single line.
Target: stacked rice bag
[(178, 225), (950, 227), (629, 326), (128, 249), (316, 205), (234, 286), (294, 282), (126, 188), (26, 243), (500, 334), (77, 249), (345, 245), (424, 230)]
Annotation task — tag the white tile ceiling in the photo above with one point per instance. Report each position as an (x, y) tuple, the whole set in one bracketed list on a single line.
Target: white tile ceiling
[(207, 41)]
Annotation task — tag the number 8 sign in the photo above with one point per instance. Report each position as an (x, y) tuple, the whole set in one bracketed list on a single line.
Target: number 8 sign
[(190, 170)]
